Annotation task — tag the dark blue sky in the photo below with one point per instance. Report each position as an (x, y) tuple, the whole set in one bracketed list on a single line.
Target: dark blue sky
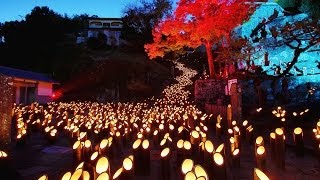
[(17, 9)]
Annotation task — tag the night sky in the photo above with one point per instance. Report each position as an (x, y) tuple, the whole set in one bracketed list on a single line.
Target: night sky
[(17, 9)]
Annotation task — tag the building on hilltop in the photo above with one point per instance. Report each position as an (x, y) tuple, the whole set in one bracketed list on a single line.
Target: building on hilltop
[(110, 28), (29, 87)]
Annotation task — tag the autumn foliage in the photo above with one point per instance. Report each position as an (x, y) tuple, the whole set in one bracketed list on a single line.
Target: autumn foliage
[(199, 22)]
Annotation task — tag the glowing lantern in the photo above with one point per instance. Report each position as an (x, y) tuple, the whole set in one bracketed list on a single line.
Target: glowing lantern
[(76, 175), (187, 165), (259, 175), (200, 171), (66, 176)]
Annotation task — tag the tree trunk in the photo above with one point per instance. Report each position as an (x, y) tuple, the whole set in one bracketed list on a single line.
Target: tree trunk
[(210, 59), (297, 53)]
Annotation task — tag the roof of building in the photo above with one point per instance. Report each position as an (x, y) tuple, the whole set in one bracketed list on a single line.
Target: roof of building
[(110, 19), (18, 73)]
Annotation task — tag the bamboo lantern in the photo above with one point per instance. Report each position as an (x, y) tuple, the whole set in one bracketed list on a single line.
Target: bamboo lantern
[(219, 168), (229, 116), (194, 138), (85, 175), (102, 166), (94, 158), (77, 152), (103, 176), (190, 176), (236, 136), (103, 147), (117, 174), (230, 132), (186, 166), (236, 158), (259, 142), (3, 159), (280, 149), (261, 158), (218, 130), (137, 154), (179, 152), (200, 172), (66, 176), (220, 149), (249, 134), (165, 164), (126, 171), (208, 153), (80, 166), (243, 128), (187, 153), (87, 150), (273, 145), (43, 177), (232, 145), (146, 157), (259, 175), (83, 136), (156, 138), (76, 175), (298, 140), (318, 127)]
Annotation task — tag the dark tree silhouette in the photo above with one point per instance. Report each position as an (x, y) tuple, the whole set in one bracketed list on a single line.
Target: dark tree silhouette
[(140, 19)]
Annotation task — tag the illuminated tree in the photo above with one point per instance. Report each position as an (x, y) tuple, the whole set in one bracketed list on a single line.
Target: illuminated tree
[(199, 22), (300, 36)]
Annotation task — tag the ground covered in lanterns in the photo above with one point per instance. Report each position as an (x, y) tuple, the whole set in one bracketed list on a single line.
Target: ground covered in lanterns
[(40, 154)]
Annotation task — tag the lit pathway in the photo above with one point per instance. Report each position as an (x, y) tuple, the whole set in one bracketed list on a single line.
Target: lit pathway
[(124, 123)]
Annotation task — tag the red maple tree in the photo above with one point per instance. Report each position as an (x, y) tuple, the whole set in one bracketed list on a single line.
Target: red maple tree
[(199, 22)]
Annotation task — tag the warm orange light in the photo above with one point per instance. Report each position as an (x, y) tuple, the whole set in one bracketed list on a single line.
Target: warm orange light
[(187, 145), (165, 152), (259, 140), (102, 165), (260, 174), (180, 143), (76, 175), (76, 144), (297, 131), (85, 175), (218, 159), (273, 135), (145, 144), (190, 176), (261, 150), (200, 171), (235, 152), (80, 166), (220, 148), (104, 143), (186, 166), (279, 131), (87, 143), (66, 176), (195, 134), (94, 156), (127, 164), (208, 145), (117, 173), (136, 144), (43, 177), (103, 176)]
